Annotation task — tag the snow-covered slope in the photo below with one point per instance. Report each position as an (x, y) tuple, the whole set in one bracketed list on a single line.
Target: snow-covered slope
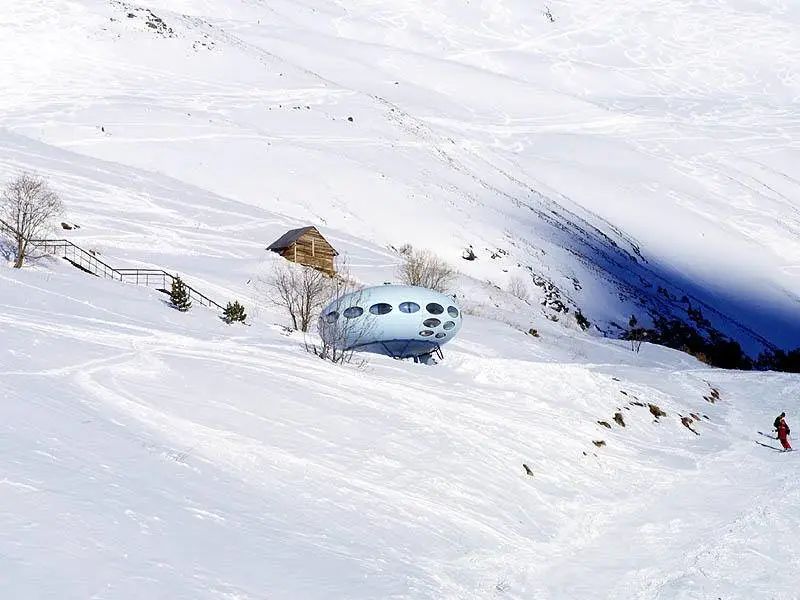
[(615, 150), (152, 454)]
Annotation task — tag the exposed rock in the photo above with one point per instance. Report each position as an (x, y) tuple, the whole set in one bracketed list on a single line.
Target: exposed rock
[(552, 295), (687, 422)]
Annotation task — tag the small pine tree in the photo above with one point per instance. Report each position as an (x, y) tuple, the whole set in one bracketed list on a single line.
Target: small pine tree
[(234, 313), (179, 295)]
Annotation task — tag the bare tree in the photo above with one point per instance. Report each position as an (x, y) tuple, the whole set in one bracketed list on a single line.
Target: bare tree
[(635, 334), (518, 289), (342, 331), (405, 249), (299, 290), (27, 207), (425, 269), (340, 336)]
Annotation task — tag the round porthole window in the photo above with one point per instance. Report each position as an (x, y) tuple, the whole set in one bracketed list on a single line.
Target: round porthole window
[(380, 309), (426, 333), (452, 311), (440, 335), (409, 307), (353, 312), (449, 325), (331, 317), (434, 309), (431, 323)]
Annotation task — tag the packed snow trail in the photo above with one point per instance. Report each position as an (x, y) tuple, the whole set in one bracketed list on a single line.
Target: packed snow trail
[(726, 528)]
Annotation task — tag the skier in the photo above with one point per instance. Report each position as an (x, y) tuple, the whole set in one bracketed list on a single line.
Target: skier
[(783, 431), (777, 421)]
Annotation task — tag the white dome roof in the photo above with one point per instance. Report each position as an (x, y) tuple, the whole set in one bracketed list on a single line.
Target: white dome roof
[(399, 320)]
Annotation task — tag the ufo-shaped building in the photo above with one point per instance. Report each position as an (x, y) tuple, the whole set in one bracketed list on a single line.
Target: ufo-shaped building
[(401, 321)]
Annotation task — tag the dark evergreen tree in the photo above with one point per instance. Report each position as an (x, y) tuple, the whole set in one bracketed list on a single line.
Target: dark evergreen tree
[(179, 295), (780, 360), (234, 313)]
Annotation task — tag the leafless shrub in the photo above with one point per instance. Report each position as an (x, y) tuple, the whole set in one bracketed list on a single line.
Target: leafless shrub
[(470, 307), (518, 289), (635, 334), (339, 336), (406, 249), (425, 269), (27, 208), (301, 291)]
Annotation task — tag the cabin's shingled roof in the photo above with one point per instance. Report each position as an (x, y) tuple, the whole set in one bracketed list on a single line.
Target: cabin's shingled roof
[(290, 237)]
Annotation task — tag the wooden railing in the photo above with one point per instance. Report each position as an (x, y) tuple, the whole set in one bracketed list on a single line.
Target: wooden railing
[(88, 261)]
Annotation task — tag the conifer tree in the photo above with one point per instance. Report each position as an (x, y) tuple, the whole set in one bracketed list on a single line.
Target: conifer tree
[(179, 295), (234, 313)]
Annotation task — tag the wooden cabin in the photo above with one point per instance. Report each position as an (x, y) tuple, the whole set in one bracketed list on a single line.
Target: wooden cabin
[(306, 246)]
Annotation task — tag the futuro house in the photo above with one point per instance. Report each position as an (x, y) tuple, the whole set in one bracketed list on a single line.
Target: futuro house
[(401, 321)]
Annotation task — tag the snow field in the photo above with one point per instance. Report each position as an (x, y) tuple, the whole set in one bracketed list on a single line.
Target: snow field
[(183, 458), (616, 150)]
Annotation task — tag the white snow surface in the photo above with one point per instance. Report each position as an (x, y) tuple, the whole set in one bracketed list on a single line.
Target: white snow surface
[(154, 454), (621, 148)]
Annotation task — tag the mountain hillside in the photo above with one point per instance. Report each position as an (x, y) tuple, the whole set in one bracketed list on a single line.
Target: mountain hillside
[(620, 159), (610, 158), (154, 454)]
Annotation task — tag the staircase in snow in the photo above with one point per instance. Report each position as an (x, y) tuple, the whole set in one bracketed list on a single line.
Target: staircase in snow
[(88, 262)]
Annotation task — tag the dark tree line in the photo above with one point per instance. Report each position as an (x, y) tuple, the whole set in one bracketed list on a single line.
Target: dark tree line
[(700, 339)]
